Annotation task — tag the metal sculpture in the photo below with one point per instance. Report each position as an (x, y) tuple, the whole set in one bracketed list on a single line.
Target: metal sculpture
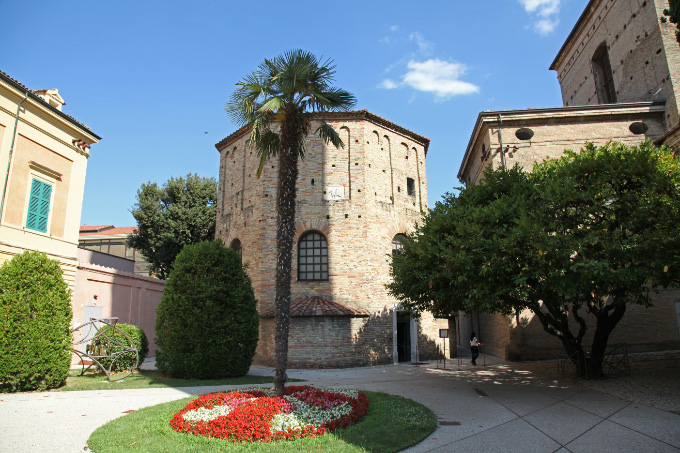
[(103, 343)]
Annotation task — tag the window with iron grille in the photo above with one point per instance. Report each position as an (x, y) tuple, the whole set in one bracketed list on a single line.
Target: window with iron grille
[(313, 257), (398, 244)]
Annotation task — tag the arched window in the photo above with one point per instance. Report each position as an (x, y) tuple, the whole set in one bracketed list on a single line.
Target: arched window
[(604, 79), (398, 244), (236, 246), (312, 257)]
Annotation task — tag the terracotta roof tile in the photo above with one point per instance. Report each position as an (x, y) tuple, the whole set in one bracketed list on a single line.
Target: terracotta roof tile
[(94, 228), (106, 230), (317, 306)]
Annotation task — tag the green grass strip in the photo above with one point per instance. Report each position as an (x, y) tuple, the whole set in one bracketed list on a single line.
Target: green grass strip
[(154, 379), (392, 424)]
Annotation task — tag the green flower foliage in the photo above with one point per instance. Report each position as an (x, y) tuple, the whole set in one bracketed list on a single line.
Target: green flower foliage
[(580, 236), (126, 360), (35, 318), (207, 321), (169, 217)]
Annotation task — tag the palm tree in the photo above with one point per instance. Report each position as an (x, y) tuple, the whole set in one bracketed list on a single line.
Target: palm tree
[(277, 101)]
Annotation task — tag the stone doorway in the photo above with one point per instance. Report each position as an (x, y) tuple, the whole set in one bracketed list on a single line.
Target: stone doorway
[(403, 337)]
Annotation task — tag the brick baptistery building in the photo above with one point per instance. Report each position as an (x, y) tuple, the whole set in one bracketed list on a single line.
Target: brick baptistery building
[(353, 204)]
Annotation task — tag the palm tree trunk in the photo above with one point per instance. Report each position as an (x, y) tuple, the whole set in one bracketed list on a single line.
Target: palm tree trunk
[(285, 231)]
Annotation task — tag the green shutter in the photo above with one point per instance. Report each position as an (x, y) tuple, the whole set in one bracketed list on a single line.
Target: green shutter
[(39, 206)]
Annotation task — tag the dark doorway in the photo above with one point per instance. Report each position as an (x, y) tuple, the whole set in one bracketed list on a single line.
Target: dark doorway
[(403, 337)]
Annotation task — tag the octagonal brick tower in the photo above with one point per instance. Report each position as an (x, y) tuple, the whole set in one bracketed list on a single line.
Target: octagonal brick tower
[(352, 205)]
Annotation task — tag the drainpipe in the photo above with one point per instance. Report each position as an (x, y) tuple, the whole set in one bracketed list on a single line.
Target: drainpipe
[(9, 160), (500, 138)]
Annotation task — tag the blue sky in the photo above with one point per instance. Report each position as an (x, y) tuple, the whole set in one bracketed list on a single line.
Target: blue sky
[(151, 78)]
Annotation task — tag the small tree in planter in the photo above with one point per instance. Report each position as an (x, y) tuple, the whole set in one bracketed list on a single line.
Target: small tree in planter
[(35, 318), (207, 321)]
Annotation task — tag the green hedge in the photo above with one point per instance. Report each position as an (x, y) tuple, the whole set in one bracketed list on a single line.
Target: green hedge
[(126, 360), (207, 321), (35, 324)]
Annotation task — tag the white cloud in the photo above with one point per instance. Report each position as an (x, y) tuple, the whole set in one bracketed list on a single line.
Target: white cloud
[(546, 26), (546, 11), (543, 8), (394, 28), (388, 84), (424, 46), (442, 78)]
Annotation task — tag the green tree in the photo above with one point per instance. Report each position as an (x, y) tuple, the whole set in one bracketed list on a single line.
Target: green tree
[(207, 321), (169, 217), (276, 101), (673, 12), (579, 237), (35, 324)]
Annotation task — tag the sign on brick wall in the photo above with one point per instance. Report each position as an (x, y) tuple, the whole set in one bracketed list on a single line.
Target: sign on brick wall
[(336, 192)]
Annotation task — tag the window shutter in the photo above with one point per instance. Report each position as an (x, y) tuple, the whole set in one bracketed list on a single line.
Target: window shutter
[(39, 206)]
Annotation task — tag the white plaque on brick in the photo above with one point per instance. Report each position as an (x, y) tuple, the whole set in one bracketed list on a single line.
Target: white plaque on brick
[(336, 192)]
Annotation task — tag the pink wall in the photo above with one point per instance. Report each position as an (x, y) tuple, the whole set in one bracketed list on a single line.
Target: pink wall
[(132, 298)]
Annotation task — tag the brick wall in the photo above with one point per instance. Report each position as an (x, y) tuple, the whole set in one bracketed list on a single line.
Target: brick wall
[(372, 168), (643, 53)]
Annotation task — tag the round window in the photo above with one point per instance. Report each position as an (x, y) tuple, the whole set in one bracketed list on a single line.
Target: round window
[(638, 127), (524, 133)]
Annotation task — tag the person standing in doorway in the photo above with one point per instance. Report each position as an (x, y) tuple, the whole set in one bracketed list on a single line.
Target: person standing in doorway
[(474, 347)]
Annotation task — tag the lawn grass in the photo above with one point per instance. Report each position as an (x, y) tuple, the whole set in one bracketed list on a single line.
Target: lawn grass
[(392, 424), (153, 379)]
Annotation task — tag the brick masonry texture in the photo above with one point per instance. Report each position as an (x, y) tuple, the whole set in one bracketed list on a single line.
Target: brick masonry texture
[(643, 53), (645, 62), (373, 168)]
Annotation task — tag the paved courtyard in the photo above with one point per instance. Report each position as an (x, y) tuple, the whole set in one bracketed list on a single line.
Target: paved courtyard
[(497, 407)]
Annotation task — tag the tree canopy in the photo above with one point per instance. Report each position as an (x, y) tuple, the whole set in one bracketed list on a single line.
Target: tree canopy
[(276, 100), (579, 236), (673, 12), (207, 321), (180, 212)]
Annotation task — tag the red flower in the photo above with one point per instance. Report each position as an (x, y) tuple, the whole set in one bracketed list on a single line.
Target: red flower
[(250, 421)]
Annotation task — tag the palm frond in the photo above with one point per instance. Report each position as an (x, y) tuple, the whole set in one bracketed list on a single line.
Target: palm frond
[(272, 104), (329, 135), (267, 145)]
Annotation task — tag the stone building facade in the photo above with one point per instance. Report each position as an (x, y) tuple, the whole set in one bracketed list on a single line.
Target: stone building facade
[(352, 205), (619, 72)]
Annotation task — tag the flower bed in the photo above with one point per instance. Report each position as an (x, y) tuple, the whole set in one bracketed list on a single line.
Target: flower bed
[(258, 415)]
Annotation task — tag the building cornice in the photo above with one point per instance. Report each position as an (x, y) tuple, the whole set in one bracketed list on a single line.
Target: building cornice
[(353, 115), (488, 118), (43, 131), (44, 106)]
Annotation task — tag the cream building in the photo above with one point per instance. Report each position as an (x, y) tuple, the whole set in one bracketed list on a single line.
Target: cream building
[(619, 72), (43, 160)]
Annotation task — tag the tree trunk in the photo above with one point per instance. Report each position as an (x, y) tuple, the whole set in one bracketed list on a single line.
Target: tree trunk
[(575, 353), (605, 325), (285, 231)]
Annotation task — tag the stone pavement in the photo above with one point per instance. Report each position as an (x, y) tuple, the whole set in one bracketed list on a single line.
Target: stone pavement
[(497, 407)]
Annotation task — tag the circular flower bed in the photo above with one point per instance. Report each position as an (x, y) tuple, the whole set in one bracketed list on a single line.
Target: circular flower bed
[(258, 415)]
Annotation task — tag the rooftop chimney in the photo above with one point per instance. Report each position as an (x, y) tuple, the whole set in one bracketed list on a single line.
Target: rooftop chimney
[(51, 96)]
